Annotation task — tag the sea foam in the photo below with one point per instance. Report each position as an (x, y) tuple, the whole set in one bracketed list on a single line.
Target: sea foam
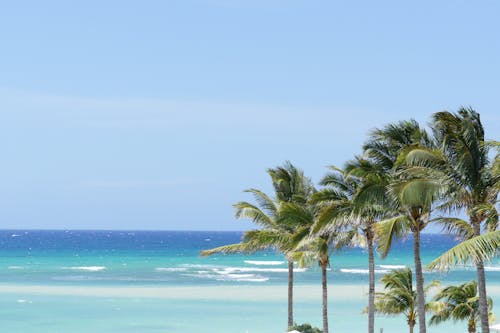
[(87, 268), (492, 268), (264, 263), (171, 269), (392, 266), (256, 269), (230, 277)]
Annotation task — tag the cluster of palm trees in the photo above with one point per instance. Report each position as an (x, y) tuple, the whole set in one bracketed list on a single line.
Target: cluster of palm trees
[(457, 303), (406, 178)]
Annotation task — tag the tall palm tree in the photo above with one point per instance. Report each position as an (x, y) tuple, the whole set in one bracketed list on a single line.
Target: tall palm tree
[(462, 137), (473, 180), (412, 192), (413, 198), (353, 200), (399, 296), (458, 303), (290, 186)]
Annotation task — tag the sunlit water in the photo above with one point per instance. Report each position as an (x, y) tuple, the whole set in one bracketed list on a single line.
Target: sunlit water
[(140, 281)]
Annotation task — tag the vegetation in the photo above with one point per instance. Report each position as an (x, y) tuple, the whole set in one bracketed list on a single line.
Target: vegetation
[(311, 247), (291, 187), (458, 303), (407, 178), (306, 328), (400, 297), (410, 191), (353, 200), (470, 180)]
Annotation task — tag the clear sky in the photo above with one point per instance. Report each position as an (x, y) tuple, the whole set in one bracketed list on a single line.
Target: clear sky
[(157, 114)]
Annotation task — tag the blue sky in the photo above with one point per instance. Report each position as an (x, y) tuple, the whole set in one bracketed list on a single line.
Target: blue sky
[(157, 114)]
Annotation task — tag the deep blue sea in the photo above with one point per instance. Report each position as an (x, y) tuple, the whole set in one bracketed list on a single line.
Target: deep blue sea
[(156, 281)]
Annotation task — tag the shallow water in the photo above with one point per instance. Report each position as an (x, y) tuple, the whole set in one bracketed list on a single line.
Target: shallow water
[(116, 281)]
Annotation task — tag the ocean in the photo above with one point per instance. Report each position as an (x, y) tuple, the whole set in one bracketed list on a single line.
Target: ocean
[(156, 281)]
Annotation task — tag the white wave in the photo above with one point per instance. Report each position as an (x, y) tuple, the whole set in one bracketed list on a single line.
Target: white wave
[(15, 267), (263, 279), (492, 268), (237, 276), (362, 271), (203, 276), (15, 235), (87, 268), (198, 266), (264, 263), (229, 270), (104, 278), (392, 266), (171, 269), (231, 277)]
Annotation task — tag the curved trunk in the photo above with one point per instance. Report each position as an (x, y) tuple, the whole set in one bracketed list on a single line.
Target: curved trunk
[(371, 287), (325, 298), (420, 282), (290, 294), (481, 285)]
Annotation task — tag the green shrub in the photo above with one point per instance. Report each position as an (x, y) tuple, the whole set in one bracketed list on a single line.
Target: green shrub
[(306, 328)]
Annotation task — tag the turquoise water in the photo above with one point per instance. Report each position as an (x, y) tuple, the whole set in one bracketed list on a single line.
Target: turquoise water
[(116, 281)]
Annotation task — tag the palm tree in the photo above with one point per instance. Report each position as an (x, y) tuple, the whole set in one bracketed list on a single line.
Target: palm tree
[(473, 181), (310, 247), (458, 303), (399, 296), (462, 136), (353, 200), (290, 186), (412, 192)]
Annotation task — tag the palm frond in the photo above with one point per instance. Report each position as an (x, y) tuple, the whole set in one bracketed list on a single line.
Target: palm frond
[(388, 230), (479, 248), (228, 249), (455, 226), (416, 192), (253, 213), (265, 203)]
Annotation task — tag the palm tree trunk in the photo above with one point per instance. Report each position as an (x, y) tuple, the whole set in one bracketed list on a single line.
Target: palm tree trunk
[(483, 303), (290, 294), (325, 298), (412, 325), (481, 285), (472, 324), (371, 287), (420, 282)]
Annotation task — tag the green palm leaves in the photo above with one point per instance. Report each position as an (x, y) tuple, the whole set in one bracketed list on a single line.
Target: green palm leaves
[(349, 205), (476, 249), (407, 178), (458, 303), (280, 220), (399, 296), (470, 184)]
